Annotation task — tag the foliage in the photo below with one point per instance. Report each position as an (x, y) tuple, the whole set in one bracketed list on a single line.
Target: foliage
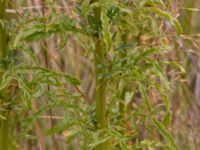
[(131, 65)]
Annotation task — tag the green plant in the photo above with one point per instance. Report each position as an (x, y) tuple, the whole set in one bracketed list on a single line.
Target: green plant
[(126, 42)]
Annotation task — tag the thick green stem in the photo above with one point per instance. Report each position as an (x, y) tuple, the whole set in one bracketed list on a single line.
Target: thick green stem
[(100, 87), (99, 56), (4, 130)]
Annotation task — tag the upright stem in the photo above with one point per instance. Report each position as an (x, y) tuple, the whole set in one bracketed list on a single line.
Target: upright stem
[(4, 130), (99, 56), (100, 87)]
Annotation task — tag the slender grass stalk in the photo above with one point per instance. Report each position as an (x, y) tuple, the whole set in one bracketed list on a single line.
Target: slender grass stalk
[(100, 98), (4, 129)]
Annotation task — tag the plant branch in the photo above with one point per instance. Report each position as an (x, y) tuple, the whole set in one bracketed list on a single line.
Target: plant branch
[(99, 57)]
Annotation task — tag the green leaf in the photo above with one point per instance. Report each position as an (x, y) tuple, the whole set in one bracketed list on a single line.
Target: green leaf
[(35, 32), (167, 119), (142, 90), (177, 25), (163, 131), (57, 129), (6, 79), (63, 40), (31, 118), (72, 79), (168, 16), (99, 141), (107, 36)]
